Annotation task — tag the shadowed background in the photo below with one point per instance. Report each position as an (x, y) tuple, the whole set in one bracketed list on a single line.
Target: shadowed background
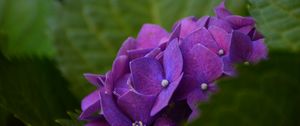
[(46, 46)]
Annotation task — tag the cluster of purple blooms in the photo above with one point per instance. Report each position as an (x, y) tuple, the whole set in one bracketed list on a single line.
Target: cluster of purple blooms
[(159, 78)]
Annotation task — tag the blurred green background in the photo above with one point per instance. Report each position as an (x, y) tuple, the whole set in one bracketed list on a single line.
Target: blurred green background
[(46, 46)]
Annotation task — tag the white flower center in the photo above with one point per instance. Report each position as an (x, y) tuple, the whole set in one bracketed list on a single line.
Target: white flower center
[(138, 123), (221, 52), (204, 86), (164, 83), (246, 63)]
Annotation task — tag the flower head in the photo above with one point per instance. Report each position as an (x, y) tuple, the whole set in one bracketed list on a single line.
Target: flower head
[(159, 78)]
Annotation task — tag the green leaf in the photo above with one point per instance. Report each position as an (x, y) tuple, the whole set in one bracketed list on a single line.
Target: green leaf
[(87, 34), (263, 95), (279, 21), (34, 91), (23, 28), (71, 122)]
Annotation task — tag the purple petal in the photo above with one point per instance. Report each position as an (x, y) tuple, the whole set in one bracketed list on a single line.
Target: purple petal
[(203, 36), (165, 96), (137, 106), (188, 25), (109, 81), (90, 105), (137, 53), (228, 68), (222, 38), (128, 44), (147, 74), (241, 47), (255, 35), (175, 32), (213, 21), (122, 86), (194, 115), (164, 121), (172, 61), (259, 51), (97, 122), (196, 97), (221, 11), (150, 36), (202, 22), (119, 68), (188, 84), (239, 21), (203, 64), (111, 112), (94, 79), (246, 29), (153, 53)]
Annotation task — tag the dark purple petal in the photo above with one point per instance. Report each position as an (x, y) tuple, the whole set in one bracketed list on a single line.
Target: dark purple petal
[(172, 61), (165, 96), (111, 111), (204, 37), (188, 84), (222, 38), (255, 35), (164, 121), (147, 74), (213, 21), (239, 21), (94, 79), (241, 47), (188, 25), (120, 67), (259, 51), (90, 105), (137, 106), (150, 36), (202, 22), (175, 32), (137, 53), (203, 65), (129, 44), (97, 122), (246, 29), (122, 85), (221, 11), (228, 68)]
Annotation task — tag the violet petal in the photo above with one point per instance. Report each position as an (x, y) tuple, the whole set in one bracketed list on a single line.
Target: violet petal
[(111, 111), (259, 52), (147, 74), (150, 36), (172, 61), (221, 10), (128, 44), (137, 106), (165, 96), (203, 64), (240, 48), (90, 105)]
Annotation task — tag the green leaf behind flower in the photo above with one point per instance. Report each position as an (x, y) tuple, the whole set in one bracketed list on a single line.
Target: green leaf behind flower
[(279, 21), (34, 91), (23, 28)]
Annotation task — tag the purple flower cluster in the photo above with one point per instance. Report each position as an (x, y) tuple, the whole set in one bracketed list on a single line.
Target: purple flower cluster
[(159, 78)]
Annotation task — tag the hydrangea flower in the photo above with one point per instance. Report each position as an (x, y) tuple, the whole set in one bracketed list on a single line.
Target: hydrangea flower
[(160, 78)]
